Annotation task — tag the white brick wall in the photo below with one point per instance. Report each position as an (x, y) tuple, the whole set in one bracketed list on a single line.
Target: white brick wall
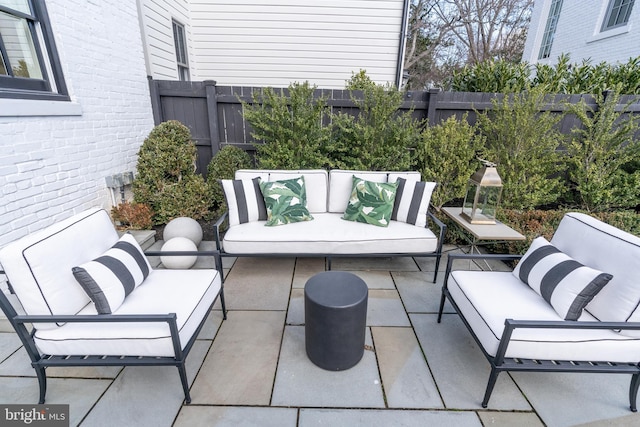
[(579, 33), (54, 166)]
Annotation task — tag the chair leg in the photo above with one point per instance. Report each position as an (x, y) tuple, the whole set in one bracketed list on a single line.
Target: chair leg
[(185, 382), (633, 392), (492, 382), (442, 301), (42, 382), (224, 306)]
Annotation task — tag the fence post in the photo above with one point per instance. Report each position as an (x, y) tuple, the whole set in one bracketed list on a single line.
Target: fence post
[(156, 104), (212, 114), (433, 102)]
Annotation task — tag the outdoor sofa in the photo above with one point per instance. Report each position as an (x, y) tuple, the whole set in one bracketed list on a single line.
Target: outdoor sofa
[(570, 305), (92, 299), (328, 234)]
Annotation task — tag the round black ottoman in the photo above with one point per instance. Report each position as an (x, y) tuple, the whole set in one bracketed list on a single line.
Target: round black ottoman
[(335, 316)]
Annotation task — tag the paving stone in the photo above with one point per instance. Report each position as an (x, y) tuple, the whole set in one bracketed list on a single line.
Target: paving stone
[(418, 293), (301, 383), (295, 314), (375, 263), (241, 364), (19, 364), (384, 308), (305, 269), (79, 394), (259, 284), (459, 367), (9, 343), (233, 416), (405, 375), (567, 399), (211, 325), (632, 420), (384, 418), (146, 395), (509, 419)]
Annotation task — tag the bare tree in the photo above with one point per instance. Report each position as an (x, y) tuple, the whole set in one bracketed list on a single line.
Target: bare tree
[(447, 34)]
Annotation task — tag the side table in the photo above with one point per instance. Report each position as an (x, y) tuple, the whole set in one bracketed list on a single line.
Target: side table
[(484, 234)]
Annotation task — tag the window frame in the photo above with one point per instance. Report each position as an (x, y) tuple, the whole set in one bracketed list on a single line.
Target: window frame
[(618, 22), (52, 86), (180, 45), (550, 29)]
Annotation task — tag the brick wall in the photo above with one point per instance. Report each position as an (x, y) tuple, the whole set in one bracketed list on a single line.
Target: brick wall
[(54, 166), (579, 33)]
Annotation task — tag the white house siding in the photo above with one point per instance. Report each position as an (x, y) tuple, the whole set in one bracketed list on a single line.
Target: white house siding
[(54, 166), (579, 33), (157, 33), (276, 42)]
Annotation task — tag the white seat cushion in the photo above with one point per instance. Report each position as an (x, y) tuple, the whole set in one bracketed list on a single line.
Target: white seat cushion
[(188, 293), (39, 265), (486, 299), (328, 233)]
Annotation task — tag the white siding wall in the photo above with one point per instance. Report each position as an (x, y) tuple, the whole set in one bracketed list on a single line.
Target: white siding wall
[(54, 166), (578, 33), (156, 16), (276, 42)]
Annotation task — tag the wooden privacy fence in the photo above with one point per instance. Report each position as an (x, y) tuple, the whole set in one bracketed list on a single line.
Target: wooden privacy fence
[(213, 113)]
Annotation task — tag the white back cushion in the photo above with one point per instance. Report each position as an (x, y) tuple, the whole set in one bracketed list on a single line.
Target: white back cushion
[(316, 182), (606, 248), (252, 173), (411, 176), (38, 266), (341, 183)]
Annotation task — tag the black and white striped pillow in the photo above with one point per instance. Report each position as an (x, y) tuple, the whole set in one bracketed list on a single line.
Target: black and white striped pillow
[(412, 201), (109, 278), (562, 281), (244, 200)]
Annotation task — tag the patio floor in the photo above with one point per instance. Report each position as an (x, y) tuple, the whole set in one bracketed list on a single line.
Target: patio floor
[(252, 369)]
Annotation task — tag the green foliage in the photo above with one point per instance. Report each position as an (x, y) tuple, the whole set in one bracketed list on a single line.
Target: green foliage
[(380, 136), (563, 77), (290, 125), (492, 76), (446, 154), (523, 142), (166, 178), (224, 166), (132, 216), (604, 156)]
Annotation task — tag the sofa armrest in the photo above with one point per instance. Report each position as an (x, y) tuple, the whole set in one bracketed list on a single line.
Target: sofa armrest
[(453, 257), (510, 325), (216, 229)]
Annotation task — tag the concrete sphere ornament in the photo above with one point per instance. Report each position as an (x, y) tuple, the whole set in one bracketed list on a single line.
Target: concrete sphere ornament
[(183, 227), (178, 262)]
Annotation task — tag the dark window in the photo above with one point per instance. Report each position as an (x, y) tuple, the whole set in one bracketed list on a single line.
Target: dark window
[(550, 29), (29, 64), (181, 51), (617, 14)]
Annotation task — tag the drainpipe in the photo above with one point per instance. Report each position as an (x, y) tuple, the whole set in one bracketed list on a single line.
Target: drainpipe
[(403, 43)]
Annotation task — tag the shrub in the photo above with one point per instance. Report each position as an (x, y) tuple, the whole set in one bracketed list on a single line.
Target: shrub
[(380, 136), (290, 127), (446, 154), (224, 166), (604, 155), (522, 141), (166, 178), (132, 216), (492, 76)]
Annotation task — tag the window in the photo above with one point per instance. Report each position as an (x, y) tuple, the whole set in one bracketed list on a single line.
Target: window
[(29, 65), (181, 51), (617, 14), (550, 29)]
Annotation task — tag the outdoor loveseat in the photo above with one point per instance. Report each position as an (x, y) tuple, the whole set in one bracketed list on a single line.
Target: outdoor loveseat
[(570, 305), (94, 300), (328, 234)]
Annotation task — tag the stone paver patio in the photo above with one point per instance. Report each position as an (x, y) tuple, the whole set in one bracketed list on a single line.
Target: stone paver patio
[(252, 369)]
